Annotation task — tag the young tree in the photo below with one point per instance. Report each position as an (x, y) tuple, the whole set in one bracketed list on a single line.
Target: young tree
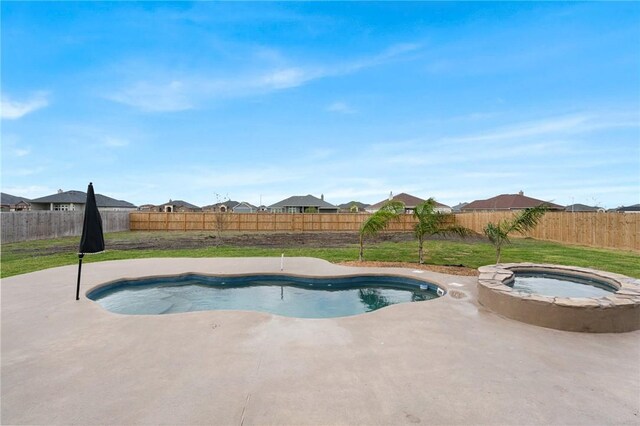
[(430, 222), (379, 220), (498, 233), (221, 217)]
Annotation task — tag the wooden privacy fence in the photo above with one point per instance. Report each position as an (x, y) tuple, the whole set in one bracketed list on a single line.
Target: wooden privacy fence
[(38, 225), (260, 222), (606, 230)]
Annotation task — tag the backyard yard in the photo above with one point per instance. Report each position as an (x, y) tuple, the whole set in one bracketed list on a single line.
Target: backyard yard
[(244, 367), (452, 255)]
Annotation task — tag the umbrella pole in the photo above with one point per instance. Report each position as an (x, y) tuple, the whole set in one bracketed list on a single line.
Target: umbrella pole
[(80, 256)]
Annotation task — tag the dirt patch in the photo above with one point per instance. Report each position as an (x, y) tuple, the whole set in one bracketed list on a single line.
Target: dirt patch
[(199, 239), (303, 239), (451, 270)]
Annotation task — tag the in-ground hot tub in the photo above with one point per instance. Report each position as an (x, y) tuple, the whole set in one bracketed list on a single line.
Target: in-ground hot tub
[(612, 305)]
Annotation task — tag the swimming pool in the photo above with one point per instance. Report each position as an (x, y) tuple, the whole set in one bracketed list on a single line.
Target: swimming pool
[(292, 296)]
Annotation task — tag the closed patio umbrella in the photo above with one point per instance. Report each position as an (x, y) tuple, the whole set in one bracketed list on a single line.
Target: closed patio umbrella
[(92, 240)]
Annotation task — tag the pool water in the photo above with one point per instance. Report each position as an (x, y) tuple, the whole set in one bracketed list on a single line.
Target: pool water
[(281, 295), (560, 285)]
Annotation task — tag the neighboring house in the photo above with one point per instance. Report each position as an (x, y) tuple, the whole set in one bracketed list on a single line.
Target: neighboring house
[(410, 202), (458, 207), (178, 206), (222, 207), (628, 209), (303, 204), (517, 201), (12, 203), (244, 207), (148, 208), (75, 201), (353, 207), (581, 208)]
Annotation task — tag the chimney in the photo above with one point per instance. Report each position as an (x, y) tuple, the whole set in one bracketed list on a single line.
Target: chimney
[(521, 192), (390, 195), (60, 191), (322, 197)]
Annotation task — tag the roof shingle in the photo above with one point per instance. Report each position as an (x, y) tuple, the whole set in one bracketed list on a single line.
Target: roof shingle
[(79, 197), (509, 202), (409, 201), (8, 199), (303, 201)]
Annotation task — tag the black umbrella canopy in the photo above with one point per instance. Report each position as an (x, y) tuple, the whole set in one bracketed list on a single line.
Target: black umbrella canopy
[(92, 240)]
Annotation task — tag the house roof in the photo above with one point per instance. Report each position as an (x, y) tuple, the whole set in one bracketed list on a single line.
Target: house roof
[(581, 208), (458, 207), (244, 203), (358, 204), (180, 203), (633, 208), (229, 203), (8, 199), (509, 202), (79, 197), (303, 201), (409, 201)]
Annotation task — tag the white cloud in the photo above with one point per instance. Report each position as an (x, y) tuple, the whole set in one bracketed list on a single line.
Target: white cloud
[(490, 175), (12, 146), (12, 110), (284, 78), (318, 154), (19, 152), (115, 142), (399, 49), (34, 191), (390, 54), (206, 178), (341, 108), (108, 136), (555, 126), (168, 96), (22, 171), (535, 128)]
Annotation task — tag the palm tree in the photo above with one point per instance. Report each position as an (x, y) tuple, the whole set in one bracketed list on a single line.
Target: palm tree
[(430, 222), (498, 233), (379, 220)]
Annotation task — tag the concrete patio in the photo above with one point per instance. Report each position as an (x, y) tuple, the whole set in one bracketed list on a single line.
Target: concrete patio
[(445, 361)]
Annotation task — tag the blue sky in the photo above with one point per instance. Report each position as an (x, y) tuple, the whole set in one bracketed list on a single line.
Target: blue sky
[(260, 101)]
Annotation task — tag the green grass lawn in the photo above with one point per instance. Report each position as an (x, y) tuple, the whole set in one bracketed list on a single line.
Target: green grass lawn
[(20, 258)]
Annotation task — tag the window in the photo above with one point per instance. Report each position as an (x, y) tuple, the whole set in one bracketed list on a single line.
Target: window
[(62, 207)]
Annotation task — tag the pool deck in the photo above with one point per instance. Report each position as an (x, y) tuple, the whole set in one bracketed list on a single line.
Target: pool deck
[(444, 361)]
